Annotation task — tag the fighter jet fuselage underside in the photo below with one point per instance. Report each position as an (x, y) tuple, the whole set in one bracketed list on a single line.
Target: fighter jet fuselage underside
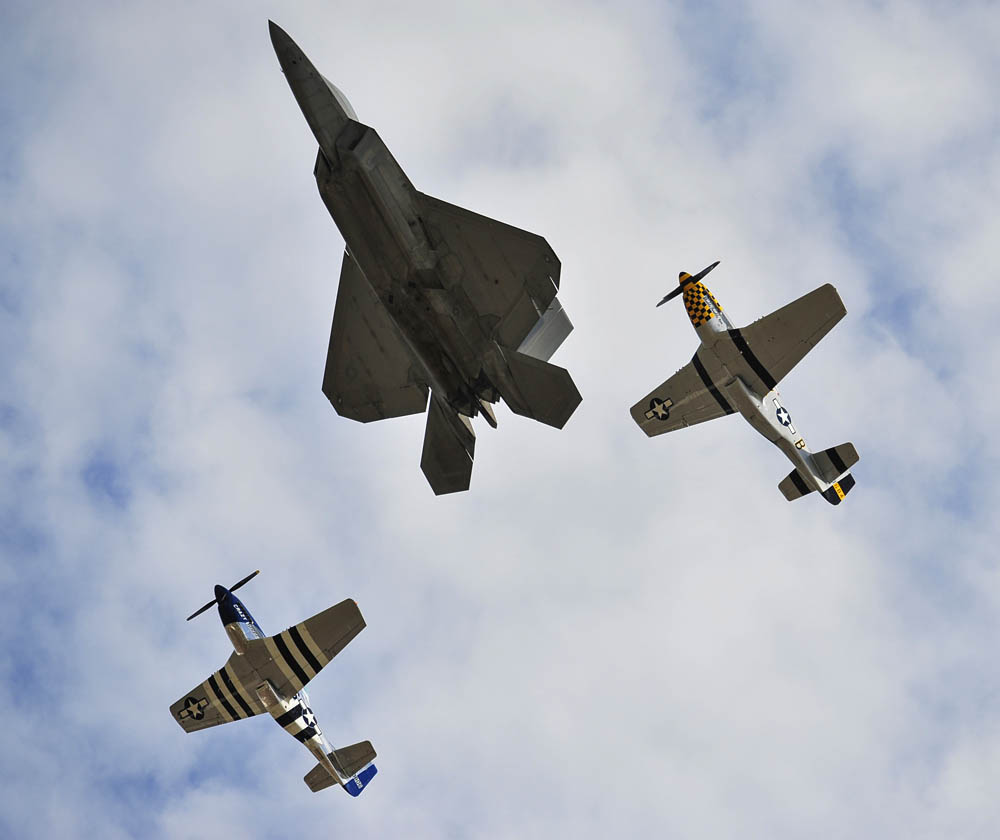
[(738, 370), (268, 674), (433, 298)]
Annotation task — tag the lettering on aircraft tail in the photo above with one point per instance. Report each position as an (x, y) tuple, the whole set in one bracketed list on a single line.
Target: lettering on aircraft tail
[(660, 409)]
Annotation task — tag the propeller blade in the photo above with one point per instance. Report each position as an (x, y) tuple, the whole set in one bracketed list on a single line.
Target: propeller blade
[(703, 272), (687, 281), (672, 295), (247, 579), (207, 606)]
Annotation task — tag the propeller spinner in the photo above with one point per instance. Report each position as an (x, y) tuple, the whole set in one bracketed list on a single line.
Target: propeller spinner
[(684, 280), (232, 588)]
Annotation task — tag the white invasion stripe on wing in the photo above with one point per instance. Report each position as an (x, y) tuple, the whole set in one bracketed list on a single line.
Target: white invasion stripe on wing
[(314, 648), (293, 649), (279, 660)]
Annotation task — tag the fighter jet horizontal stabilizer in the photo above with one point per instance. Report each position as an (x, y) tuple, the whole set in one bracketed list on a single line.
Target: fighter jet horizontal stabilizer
[(449, 447), (533, 388)]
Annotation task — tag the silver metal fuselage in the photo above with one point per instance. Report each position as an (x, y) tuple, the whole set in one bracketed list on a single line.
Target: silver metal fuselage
[(289, 712), (765, 412)]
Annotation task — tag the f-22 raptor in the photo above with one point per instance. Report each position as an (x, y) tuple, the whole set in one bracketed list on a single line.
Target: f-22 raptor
[(431, 296), (739, 370), (268, 674)]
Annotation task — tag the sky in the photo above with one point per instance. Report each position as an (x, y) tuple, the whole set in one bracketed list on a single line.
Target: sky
[(608, 635)]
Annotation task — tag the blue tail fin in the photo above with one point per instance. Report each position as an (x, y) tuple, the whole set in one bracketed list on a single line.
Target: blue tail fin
[(359, 781)]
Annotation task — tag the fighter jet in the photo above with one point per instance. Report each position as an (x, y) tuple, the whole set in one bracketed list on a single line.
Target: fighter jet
[(432, 297), (739, 369), (269, 674)]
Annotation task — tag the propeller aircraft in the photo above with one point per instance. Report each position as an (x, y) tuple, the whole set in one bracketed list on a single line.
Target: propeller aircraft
[(739, 370), (269, 674)]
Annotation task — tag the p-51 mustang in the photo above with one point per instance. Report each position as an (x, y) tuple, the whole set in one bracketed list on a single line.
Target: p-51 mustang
[(739, 369), (268, 674)]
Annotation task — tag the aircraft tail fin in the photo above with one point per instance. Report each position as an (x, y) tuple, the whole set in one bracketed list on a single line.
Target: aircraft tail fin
[(533, 388), (319, 778), (835, 493), (449, 447), (353, 758), (834, 462), (354, 761), (793, 486)]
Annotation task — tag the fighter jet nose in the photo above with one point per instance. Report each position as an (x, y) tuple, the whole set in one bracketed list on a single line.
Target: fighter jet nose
[(280, 40), (220, 592)]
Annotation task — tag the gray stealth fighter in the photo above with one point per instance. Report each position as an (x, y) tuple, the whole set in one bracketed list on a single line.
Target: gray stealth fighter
[(431, 297)]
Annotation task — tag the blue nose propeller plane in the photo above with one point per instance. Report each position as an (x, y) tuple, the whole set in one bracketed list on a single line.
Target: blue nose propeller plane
[(269, 674)]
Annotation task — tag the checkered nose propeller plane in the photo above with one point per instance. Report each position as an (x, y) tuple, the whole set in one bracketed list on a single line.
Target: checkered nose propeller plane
[(268, 674), (739, 370)]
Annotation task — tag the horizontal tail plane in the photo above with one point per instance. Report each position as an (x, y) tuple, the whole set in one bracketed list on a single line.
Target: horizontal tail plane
[(793, 486), (354, 761), (533, 388), (835, 461), (449, 447)]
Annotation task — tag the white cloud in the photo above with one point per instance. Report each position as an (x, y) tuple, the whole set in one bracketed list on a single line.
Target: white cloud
[(607, 635)]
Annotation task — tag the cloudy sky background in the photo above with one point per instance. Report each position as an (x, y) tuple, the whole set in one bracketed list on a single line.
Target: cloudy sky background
[(608, 635)]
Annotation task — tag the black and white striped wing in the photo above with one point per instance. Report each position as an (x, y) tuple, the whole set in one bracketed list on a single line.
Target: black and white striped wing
[(290, 659), (227, 695)]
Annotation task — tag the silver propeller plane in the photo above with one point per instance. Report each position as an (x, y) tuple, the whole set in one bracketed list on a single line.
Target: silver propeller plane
[(432, 297), (268, 674), (739, 370)]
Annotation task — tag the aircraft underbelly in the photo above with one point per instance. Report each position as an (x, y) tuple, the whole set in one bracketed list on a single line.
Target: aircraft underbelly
[(438, 323), (773, 421)]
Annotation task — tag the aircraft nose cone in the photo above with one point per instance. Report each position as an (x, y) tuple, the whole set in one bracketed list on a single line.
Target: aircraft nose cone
[(220, 592), (283, 45)]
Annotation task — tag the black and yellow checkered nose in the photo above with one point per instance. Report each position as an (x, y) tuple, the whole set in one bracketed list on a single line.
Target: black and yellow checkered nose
[(684, 282), (696, 302)]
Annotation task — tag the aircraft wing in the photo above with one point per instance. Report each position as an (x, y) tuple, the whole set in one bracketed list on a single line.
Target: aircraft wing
[(777, 342), (227, 695), (369, 371), (686, 398), (290, 659), (509, 274)]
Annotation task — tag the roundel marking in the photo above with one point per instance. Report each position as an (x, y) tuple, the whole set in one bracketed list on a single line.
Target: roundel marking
[(193, 708), (660, 409)]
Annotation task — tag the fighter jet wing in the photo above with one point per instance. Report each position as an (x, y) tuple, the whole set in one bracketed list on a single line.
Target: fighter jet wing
[(293, 657), (369, 372), (227, 695), (777, 342), (686, 398), (509, 274)]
